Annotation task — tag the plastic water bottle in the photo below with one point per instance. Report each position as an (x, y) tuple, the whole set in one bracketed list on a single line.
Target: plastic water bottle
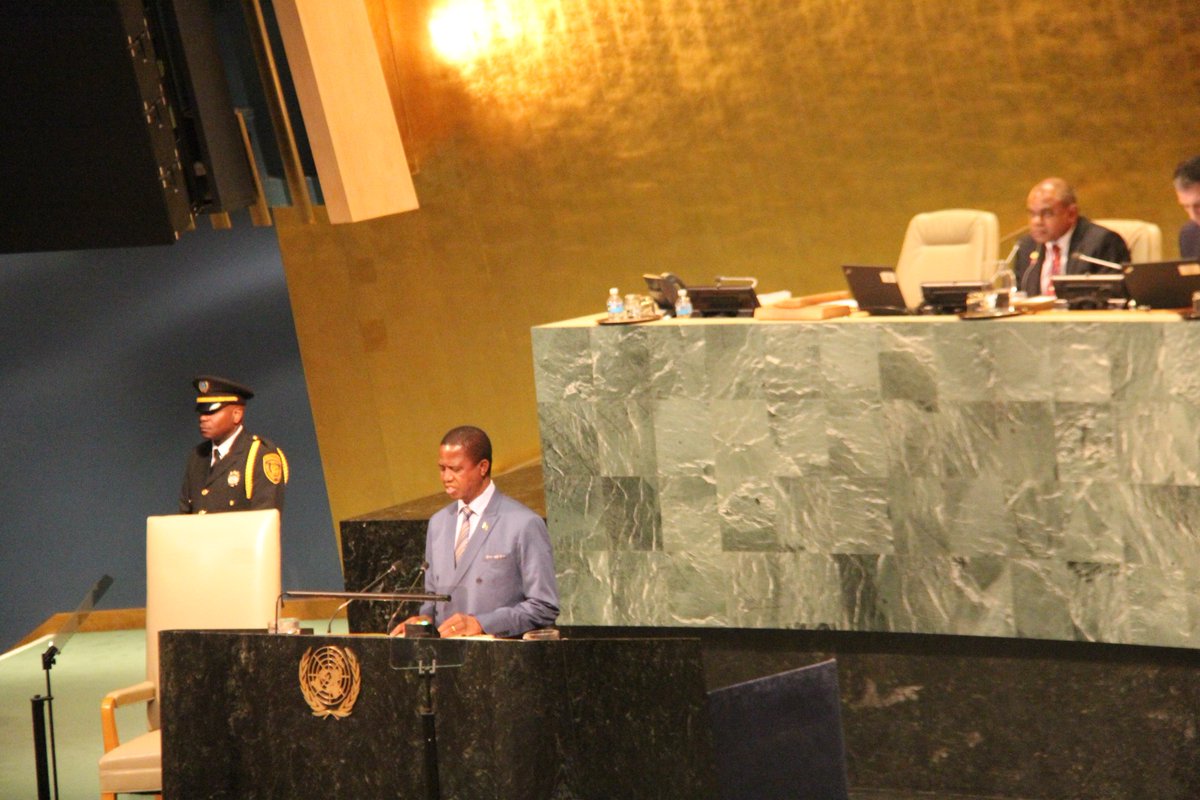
[(683, 305), (616, 306)]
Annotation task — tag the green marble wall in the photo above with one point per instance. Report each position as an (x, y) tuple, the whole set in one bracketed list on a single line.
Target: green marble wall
[(1033, 479)]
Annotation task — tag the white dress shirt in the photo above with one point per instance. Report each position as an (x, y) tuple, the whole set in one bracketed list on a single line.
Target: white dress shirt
[(219, 450)]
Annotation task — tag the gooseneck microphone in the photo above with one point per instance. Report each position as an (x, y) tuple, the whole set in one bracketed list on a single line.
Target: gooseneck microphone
[(395, 565), (1010, 236), (1100, 262), (416, 579)]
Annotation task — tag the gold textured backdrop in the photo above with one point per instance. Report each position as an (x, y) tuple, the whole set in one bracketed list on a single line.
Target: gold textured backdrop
[(565, 146)]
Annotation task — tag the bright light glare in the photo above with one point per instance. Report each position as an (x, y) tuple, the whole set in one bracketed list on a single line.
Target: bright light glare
[(464, 30)]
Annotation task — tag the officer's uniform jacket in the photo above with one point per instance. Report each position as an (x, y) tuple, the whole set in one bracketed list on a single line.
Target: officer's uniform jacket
[(251, 476)]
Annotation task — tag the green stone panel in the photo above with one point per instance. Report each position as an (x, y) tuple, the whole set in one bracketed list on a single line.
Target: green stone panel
[(1037, 478)]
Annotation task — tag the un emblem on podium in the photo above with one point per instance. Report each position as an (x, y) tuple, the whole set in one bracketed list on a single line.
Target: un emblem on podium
[(329, 680)]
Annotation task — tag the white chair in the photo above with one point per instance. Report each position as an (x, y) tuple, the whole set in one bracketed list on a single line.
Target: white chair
[(1144, 239), (954, 244), (202, 571)]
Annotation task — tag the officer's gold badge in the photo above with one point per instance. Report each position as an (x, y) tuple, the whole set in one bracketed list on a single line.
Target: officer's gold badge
[(234, 478), (273, 467), (330, 680)]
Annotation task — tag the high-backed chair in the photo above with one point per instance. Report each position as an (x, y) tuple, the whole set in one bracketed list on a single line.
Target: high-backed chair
[(955, 244), (202, 571), (1144, 239)]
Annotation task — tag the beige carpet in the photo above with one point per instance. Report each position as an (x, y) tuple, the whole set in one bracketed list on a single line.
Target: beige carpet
[(90, 665)]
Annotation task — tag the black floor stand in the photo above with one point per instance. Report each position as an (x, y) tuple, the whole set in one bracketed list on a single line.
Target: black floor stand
[(428, 714), (43, 710), (44, 754)]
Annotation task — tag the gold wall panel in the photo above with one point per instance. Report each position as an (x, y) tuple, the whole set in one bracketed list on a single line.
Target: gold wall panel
[(566, 146)]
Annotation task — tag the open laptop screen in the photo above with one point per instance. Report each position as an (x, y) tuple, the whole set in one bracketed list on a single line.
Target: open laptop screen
[(1163, 284), (875, 288)]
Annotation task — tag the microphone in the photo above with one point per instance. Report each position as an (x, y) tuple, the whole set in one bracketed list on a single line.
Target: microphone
[(1100, 262), (1009, 237), (420, 574), (1012, 254), (395, 565)]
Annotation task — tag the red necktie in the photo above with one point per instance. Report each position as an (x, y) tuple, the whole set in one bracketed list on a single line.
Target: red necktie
[(1055, 267)]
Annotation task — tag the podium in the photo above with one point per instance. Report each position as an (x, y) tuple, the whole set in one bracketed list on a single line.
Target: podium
[(585, 718)]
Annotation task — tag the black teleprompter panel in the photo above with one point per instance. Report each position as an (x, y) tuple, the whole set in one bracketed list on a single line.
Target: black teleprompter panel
[(100, 136)]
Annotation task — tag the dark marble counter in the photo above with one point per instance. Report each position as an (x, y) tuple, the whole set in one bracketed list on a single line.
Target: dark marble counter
[(569, 719), (989, 717)]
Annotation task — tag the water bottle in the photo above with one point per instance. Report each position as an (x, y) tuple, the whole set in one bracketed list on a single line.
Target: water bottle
[(683, 305), (616, 306), (1004, 283)]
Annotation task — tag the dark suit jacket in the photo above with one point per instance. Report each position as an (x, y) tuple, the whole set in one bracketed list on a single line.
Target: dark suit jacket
[(251, 476), (1189, 240), (1089, 239), (505, 578)]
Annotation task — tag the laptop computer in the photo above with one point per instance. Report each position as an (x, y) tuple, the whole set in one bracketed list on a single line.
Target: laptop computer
[(1163, 284), (875, 289)]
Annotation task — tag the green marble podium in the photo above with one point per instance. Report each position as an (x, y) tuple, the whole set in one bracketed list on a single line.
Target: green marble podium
[(1035, 478)]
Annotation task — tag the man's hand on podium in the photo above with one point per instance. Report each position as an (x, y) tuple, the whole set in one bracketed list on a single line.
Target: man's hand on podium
[(419, 618), (460, 625)]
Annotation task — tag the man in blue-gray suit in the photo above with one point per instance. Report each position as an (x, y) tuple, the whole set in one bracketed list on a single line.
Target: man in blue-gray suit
[(490, 553)]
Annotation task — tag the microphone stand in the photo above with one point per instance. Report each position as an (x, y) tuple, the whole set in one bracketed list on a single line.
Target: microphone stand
[(428, 715), (43, 706), (425, 703), (427, 711), (409, 597), (372, 585)]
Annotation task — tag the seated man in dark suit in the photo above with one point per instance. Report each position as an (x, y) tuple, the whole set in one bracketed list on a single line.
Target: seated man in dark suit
[(1187, 188), (1058, 235)]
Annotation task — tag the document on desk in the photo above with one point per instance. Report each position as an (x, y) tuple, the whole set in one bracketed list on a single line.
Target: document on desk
[(821, 311)]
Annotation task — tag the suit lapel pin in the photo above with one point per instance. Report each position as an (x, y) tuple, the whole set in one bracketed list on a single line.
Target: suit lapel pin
[(484, 526)]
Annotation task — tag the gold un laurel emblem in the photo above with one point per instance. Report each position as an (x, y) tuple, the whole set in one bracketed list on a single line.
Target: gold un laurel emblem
[(330, 680)]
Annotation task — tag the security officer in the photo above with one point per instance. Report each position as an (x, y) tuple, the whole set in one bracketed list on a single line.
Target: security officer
[(231, 470)]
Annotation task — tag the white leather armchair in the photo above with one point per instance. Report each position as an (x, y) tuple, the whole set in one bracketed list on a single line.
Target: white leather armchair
[(1144, 239), (954, 244), (202, 571)]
